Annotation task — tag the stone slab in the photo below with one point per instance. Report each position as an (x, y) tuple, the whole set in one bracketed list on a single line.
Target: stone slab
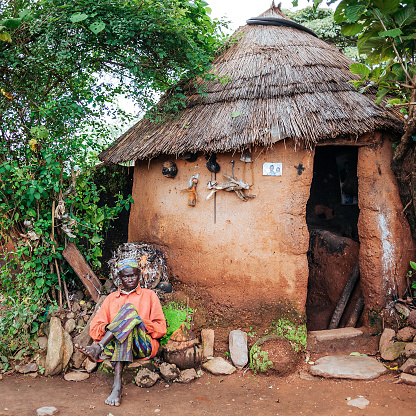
[(349, 367), (218, 366), (335, 334)]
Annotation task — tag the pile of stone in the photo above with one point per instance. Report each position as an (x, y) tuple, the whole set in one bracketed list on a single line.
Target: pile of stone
[(399, 349)]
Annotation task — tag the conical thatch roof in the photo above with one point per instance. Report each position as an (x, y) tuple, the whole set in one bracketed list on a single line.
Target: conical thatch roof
[(285, 82)]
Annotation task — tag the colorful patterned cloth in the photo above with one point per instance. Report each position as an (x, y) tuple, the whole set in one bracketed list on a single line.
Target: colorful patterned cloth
[(125, 263), (130, 338)]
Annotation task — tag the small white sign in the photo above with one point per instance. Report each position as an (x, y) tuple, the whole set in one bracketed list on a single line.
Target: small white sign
[(272, 169)]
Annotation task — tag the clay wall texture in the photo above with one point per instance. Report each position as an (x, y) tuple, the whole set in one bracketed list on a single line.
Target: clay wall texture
[(386, 242), (255, 254)]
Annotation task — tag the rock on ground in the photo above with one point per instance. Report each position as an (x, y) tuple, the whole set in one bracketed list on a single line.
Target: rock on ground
[(186, 376), (46, 411), (409, 366), (360, 402), (70, 325), (218, 366), (238, 348), (146, 378), (76, 376), (408, 379), (411, 319), (410, 350), (406, 334), (168, 371), (54, 357), (90, 365), (207, 338), (386, 339), (27, 368), (42, 342), (68, 348), (393, 352), (347, 366)]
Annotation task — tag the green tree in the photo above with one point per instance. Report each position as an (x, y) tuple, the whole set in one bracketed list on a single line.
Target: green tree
[(386, 32), (321, 21), (63, 64)]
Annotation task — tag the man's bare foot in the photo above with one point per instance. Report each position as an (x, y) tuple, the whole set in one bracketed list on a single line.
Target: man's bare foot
[(114, 399), (92, 351)]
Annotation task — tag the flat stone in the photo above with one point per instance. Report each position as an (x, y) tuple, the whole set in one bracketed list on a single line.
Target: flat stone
[(146, 378), (46, 411), (168, 371), (360, 402), (186, 376), (408, 379), (348, 366), (218, 366), (70, 325), (393, 352), (238, 348), (27, 368), (76, 376), (386, 339), (54, 356), (410, 350), (335, 334), (409, 366), (207, 339)]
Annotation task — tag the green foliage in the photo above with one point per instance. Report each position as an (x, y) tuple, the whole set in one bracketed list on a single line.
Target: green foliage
[(259, 360), (296, 335), (322, 22), (64, 64), (175, 314)]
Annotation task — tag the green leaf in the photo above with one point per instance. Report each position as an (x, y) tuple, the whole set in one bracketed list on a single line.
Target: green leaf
[(381, 93), (351, 29), (413, 265), (78, 17), (354, 11), (387, 6), (409, 37), (360, 69), (12, 23), (39, 282), (392, 33), (35, 327), (96, 239), (236, 114), (405, 16), (5, 37), (97, 27), (339, 15)]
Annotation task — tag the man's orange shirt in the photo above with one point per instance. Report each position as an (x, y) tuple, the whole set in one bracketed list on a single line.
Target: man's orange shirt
[(147, 305)]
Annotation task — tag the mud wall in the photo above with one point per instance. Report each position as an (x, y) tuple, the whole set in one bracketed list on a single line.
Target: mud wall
[(386, 243), (254, 256)]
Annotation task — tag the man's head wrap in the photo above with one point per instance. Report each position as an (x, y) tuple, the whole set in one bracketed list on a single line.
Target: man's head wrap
[(125, 263)]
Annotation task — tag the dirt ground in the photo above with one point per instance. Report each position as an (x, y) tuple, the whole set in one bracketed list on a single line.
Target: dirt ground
[(237, 394)]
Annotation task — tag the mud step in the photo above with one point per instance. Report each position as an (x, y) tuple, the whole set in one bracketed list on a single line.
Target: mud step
[(342, 340)]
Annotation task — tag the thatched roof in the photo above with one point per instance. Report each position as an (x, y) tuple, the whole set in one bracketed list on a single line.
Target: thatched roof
[(285, 82)]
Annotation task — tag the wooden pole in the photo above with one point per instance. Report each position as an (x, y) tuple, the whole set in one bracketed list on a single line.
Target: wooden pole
[(342, 303), (356, 312)]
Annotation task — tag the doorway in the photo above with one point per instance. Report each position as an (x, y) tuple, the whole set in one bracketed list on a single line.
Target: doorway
[(332, 216)]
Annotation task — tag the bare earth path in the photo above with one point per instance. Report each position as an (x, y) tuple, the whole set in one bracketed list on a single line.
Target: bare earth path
[(234, 395)]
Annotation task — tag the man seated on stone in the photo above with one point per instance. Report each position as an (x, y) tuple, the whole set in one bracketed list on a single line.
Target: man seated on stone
[(127, 326)]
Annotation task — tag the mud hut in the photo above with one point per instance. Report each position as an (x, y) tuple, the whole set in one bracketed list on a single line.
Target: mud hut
[(316, 155)]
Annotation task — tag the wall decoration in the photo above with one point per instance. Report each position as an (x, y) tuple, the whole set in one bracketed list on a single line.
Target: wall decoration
[(232, 185), (169, 169), (272, 169), (191, 189)]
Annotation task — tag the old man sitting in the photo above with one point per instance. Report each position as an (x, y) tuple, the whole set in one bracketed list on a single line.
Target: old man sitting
[(127, 326)]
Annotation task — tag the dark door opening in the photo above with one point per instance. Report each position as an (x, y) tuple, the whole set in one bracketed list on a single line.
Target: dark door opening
[(332, 216)]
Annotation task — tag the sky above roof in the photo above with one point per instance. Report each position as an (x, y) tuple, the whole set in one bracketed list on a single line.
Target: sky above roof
[(238, 11)]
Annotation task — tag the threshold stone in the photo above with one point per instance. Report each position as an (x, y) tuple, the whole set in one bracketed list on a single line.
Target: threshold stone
[(348, 366)]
